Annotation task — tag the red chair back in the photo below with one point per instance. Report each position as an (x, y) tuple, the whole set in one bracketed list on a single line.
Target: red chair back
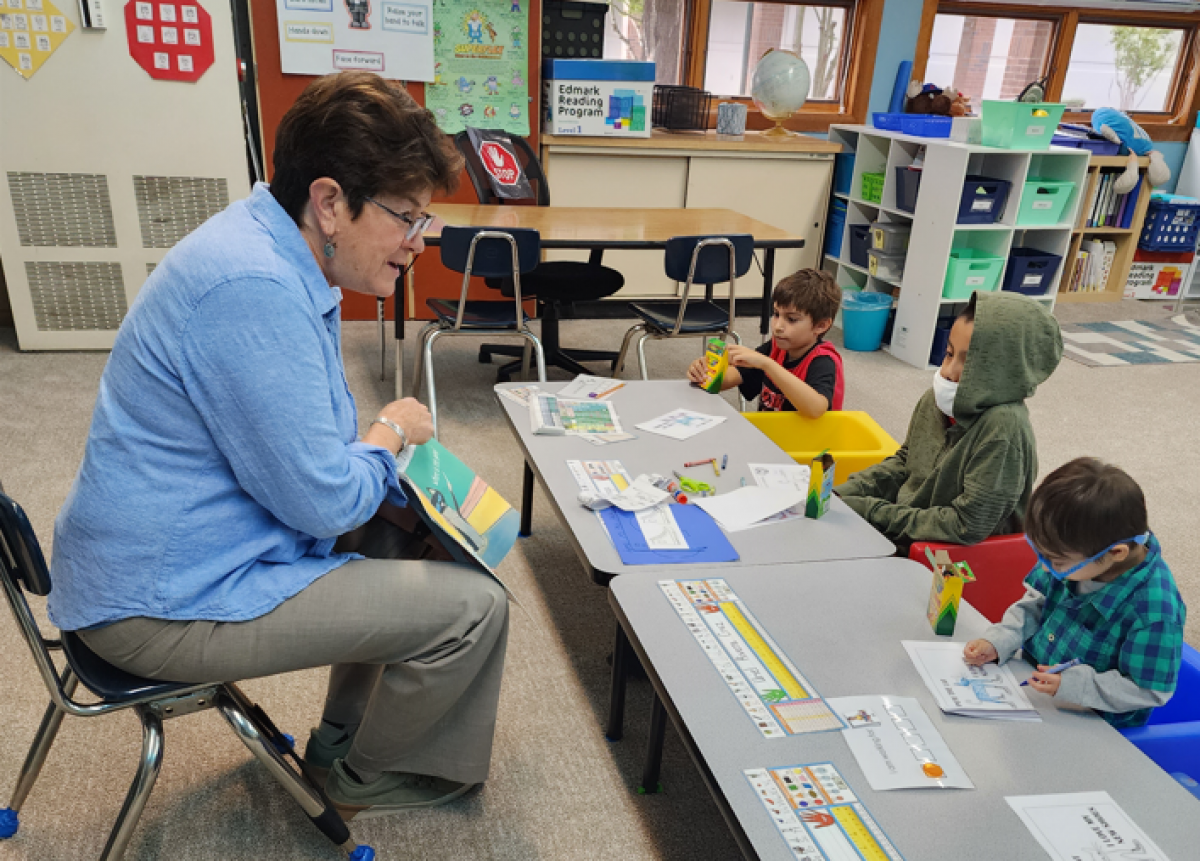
[(1000, 565)]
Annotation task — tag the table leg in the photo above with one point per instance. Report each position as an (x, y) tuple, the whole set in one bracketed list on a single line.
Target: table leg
[(527, 503), (616, 695), (654, 748), (764, 314)]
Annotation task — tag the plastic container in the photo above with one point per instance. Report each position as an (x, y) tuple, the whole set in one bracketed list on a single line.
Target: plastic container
[(864, 316), (887, 121), (908, 183), (887, 267), (573, 29), (1096, 146), (872, 187), (970, 270), (982, 200), (1172, 224), (1044, 201), (1020, 125), (835, 227), (890, 238), (855, 440), (925, 125), (1030, 271), (678, 108), (843, 172), (860, 242)]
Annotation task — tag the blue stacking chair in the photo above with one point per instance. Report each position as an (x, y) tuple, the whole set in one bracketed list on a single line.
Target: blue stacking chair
[(23, 570), (691, 260), (487, 252), (1172, 736)]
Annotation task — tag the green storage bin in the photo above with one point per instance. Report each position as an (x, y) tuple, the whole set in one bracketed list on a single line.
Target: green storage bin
[(872, 187), (1043, 201), (971, 270), (1020, 125)]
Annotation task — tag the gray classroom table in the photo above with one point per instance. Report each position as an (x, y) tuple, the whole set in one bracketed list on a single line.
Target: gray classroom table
[(841, 624), (840, 534)]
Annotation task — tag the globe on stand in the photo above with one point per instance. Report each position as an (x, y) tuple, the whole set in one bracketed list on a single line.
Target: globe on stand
[(779, 88)]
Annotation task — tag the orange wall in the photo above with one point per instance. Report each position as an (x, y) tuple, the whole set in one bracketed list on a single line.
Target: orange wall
[(277, 91)]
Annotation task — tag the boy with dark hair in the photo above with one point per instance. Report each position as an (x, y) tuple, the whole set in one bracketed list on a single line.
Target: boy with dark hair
[(797, 370), (1101, 593), (969, 460)]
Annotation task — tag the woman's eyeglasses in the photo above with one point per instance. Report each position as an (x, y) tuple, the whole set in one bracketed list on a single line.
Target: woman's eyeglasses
[(414, 227)]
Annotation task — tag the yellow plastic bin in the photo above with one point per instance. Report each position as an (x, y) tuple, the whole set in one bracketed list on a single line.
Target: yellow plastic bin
[(855, 440)]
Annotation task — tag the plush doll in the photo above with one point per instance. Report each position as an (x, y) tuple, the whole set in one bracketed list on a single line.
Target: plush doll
[(927, 99), (1119, 128)]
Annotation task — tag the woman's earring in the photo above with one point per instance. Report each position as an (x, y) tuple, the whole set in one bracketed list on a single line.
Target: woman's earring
[(330, 248)]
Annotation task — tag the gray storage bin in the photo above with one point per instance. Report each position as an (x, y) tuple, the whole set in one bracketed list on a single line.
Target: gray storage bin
[(889, 267), (890, 238)]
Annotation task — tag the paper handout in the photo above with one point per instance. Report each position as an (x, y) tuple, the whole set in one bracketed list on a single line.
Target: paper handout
[(989, 691), (640, 495), (896, 744), (681, 424), (587, 386), (748, 506), (1084, 825)]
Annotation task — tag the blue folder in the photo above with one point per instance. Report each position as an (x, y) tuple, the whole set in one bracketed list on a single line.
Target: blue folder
[(706, 542)]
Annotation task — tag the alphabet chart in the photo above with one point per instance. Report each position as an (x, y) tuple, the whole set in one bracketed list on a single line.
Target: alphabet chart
[(774, 694), (30, 31), (819, 816)]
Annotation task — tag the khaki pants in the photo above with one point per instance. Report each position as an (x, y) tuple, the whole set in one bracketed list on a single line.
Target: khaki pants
[(415, 648)]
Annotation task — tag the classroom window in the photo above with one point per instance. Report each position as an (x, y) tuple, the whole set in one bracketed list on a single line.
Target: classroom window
[(988, 57), (1131, 68), (648, 30)]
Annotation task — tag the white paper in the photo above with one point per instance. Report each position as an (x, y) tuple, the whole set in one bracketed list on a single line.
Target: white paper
[(605, 478), (989, 691), (639, 495), (521, 395), (607, 438), (747, 506), (1084, 826), (393, 38), (587, 386), (681, 424), (896, 744), (660, 528), (782, 475)]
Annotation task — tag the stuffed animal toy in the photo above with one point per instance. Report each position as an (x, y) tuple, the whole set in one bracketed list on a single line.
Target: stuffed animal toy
[(938, 101), (1119, 128)]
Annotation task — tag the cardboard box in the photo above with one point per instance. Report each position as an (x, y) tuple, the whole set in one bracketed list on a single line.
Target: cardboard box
[(820, 485), (598, 98), (945, 594), (1157, 274)]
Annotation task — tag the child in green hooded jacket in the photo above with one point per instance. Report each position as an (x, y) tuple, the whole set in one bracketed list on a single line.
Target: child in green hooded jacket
[(969, 460)]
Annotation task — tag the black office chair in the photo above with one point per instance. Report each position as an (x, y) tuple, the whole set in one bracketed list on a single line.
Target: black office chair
[(690, 260), (555, 283), (491, 253), (23, 569)]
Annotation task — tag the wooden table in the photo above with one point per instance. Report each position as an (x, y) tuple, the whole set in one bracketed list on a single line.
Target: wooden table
[(598, 230)]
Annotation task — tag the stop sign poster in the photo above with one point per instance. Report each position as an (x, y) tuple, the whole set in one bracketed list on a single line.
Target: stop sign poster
[(171, 40), (393, 38)]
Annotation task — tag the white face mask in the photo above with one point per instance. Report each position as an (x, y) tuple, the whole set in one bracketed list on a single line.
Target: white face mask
[(944, 392)]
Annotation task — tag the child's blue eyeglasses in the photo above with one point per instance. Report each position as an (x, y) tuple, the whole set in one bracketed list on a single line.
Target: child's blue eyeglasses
[(1063, 575)]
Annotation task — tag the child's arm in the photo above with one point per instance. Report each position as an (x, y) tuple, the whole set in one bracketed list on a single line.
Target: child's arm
[(1001, 641), (807, 401), (1147, 670), (698, 370)]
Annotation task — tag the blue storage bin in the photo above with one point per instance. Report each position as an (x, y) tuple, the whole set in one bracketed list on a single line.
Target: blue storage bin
[(860, 244), (843, 172), (941, 340), (835, 227), (1172, 224), (908, 183), (1077, 140), (982, 200), (886, 121), (1030, 271), (925, 125)]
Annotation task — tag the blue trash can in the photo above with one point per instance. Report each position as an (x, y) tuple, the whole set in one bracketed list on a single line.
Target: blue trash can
[(864, 317)]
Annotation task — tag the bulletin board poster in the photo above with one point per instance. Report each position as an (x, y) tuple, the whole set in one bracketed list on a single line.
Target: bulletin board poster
[(30, 31), (480, 61), (393, 38)]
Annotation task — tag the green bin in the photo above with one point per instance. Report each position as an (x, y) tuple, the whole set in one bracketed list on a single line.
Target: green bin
[(1020, 125), (970, 270), (872, 187), (1043, 201)]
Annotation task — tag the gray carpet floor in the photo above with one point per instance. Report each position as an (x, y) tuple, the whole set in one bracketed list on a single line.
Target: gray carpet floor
[(558, 790)]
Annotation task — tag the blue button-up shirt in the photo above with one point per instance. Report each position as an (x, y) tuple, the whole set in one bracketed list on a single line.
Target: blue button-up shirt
[(222, 462)]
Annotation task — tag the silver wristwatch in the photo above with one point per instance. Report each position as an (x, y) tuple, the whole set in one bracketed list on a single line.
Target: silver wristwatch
[(395, 428)]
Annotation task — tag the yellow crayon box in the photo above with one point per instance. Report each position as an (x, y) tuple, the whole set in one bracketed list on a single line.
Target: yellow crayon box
[(716, 362), (946, 592), (820, 485)]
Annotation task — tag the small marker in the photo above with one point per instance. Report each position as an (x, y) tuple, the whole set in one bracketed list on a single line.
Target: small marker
[(743, 481), (716, 469), (724, 461), (1058, 668), (697, 462)]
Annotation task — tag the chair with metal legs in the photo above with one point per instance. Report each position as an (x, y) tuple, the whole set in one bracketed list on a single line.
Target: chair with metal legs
[(23, 570), (691, 260), (489, 253)]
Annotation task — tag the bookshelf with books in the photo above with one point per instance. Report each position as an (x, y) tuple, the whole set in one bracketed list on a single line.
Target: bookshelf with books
[(1106, 234)]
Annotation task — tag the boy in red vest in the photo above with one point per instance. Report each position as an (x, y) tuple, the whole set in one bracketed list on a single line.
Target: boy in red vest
[(797, 370)]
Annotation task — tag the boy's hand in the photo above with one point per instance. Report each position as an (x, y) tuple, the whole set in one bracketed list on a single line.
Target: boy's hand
[(744, 357), (1045, 682), (697, 371), (979, 652)]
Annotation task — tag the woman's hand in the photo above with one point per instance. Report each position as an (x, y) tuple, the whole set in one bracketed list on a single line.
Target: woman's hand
[(744, 357), (979, 652), (697, 371), (412, 415)]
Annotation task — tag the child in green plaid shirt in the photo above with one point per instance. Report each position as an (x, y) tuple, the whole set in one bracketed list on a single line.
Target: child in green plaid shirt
[(1100, 593)]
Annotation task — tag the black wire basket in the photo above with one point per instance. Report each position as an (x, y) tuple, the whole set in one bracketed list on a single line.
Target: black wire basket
[(678, 108)]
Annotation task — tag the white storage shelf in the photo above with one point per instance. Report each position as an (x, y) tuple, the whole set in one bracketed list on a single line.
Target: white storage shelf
[(935, 227)]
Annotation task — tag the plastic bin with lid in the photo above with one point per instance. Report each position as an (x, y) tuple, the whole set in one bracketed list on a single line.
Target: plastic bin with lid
[(888, 267), (1030, 271), (1044, 201), (970, 270), (890, 238), (1020, 125), (982, 200), (860, 243)]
